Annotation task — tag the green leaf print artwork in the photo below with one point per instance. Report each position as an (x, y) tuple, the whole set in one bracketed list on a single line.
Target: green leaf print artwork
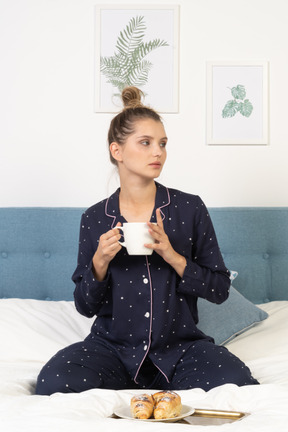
[(129, 66), (238, 104)]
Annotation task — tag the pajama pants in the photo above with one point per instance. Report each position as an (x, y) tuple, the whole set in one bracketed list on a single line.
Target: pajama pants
[(88, 364)]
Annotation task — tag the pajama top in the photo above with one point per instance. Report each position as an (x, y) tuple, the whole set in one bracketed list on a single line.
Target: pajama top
[(143, 307)]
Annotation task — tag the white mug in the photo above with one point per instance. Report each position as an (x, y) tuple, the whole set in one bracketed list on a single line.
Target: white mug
[(136, 234)]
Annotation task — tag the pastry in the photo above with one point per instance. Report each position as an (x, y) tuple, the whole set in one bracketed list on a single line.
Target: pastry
[(142, 406), (167, 405)]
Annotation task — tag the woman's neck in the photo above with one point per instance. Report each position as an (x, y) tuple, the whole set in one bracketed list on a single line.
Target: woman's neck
[(137, 200)]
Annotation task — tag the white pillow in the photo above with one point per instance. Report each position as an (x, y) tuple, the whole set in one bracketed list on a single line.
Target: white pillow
[(34, 330)]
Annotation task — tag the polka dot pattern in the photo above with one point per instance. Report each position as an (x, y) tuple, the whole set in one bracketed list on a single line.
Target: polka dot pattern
[(143, 308)]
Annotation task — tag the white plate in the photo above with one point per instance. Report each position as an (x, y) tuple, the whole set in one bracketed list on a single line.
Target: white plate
[(125, 413)]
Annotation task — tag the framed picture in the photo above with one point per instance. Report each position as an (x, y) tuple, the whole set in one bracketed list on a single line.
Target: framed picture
[(237, 103), (136, 45)]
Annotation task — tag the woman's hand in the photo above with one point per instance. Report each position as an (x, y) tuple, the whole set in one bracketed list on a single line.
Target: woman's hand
[(163, 246), (108, 247)]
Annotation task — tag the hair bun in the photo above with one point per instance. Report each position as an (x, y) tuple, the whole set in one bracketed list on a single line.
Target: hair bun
[(131, 97)]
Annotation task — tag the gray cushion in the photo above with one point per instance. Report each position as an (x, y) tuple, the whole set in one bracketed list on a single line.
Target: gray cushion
[(226, 321)]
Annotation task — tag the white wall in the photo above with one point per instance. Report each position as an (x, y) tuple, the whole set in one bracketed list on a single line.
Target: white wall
[(53, 146)]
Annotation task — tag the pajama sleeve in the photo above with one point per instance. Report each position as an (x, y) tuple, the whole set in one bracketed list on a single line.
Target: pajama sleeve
[(89, 292), (205, 274)]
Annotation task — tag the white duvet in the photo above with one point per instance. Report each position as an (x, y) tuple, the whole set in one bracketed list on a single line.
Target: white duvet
[(31, 331)]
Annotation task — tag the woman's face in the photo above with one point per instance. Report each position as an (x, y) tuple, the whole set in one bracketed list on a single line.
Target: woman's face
[(144, 151)]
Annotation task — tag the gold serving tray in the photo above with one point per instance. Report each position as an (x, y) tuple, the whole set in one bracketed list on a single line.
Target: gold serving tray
[(232, 415), (211, 417)]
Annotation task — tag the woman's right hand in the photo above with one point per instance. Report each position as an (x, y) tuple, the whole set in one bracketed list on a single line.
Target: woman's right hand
[(108, 247)]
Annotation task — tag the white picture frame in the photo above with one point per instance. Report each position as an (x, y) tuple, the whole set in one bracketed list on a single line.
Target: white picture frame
[(155, 70), (237, 103)]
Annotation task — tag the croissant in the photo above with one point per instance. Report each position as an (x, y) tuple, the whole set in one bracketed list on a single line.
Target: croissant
[(167, 405), (142, 406)]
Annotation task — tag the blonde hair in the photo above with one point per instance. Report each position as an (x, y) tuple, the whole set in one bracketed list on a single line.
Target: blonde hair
[(122, 125)]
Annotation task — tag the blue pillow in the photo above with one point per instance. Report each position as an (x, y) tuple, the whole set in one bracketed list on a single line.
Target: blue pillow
[(229, 319)]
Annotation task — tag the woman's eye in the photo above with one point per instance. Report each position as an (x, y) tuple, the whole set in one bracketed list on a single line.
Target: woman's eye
[(145, 143), (163, 144)]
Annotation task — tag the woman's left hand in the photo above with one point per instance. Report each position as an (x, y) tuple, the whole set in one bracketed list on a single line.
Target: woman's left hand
[(163, 246)]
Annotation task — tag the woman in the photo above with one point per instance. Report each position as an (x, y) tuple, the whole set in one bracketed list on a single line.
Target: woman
[(145, 333)]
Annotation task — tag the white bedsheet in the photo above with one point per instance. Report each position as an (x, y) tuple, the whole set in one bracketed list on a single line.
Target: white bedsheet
[(32, 331)]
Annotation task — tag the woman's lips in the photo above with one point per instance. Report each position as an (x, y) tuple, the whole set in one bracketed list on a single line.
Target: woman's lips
[(155, 164)]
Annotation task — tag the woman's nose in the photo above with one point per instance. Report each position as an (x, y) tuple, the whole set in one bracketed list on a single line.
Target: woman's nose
[(157, 150)]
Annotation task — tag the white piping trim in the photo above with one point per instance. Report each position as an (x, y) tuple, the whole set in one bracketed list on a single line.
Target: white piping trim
[(165, 205), (107, 214), (151, 294), (150, 330), (162, 373)]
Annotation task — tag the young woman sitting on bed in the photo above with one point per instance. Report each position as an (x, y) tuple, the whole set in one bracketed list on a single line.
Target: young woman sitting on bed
[(145, 334)]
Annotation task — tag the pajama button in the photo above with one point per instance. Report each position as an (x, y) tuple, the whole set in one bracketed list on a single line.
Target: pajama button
[(145, 347), (147, 315), (145, 280)]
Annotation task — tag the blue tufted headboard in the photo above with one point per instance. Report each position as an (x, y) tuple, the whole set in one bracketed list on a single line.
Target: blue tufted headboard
[(38, 251), (254, 242)]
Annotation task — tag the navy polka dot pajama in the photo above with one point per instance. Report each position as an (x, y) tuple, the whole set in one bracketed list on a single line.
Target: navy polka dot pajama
[(145, 333)]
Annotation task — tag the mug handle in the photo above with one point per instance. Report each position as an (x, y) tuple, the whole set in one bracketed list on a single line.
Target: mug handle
[(121, 229)]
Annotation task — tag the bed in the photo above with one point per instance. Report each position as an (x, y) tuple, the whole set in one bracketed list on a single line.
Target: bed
[(38, 252)]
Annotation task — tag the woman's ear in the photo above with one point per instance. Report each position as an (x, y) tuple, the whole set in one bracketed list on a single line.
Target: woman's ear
[(115, 150)]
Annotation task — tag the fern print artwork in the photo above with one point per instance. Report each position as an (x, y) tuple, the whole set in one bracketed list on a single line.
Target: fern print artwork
[(238, 104), (129, 64)]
